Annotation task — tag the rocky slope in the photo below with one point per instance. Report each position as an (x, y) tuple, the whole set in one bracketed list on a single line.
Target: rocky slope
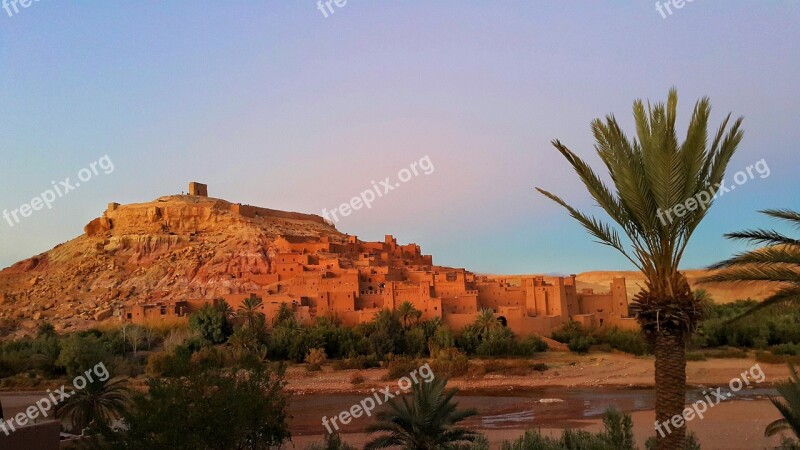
[(176, 246)]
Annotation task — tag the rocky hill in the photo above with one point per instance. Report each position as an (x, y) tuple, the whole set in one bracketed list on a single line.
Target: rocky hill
[(183, 246), (175, 246)]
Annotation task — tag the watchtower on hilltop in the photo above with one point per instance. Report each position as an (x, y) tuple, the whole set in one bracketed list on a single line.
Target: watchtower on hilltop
[(198, 189)]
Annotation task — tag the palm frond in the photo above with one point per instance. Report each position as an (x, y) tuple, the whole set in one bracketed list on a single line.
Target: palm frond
[(764, 237), (652, 174), (784, 214), (604, 233), (768, 255), (756, 272)]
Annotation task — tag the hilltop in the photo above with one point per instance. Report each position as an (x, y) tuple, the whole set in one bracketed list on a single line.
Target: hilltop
[(179, 245)]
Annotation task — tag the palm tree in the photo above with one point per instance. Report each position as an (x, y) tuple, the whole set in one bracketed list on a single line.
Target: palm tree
[(425, 421), (663, 190), (250, 311), (486, 322), (409, 315), (778, 262), (98, 404), (226, 309), (789, 406)]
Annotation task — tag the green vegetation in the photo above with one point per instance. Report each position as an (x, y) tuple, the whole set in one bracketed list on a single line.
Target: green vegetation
[(616, 435), (332, 442), (579, 339), (425, 420), (96, 406), (195, 412), (774, 332), (788, 405), (212, 323), (398, 332), (487, 337)]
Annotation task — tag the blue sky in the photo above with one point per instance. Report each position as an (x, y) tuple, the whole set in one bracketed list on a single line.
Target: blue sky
[(272, 104)]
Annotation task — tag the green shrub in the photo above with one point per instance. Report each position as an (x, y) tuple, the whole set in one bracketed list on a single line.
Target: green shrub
[(691, 442), (80, 352), (617, 435), (695, 356), (332, 442), (398, 366), (569, 331), (450, 363), (359, 362), (531, 345), (203, 403), (790, 349), (211, 322), (627, 341), (580, 344), (316, 357), (768, 327), (540, 367)]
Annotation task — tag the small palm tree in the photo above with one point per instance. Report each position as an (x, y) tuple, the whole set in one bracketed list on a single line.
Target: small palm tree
[(425, 421), (777, 262), (409, 315), (789, 406), (663, 190), (250, 311), (486, 322), (98, 404)]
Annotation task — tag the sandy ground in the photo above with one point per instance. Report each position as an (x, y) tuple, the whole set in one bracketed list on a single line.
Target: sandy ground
[(566, 370)]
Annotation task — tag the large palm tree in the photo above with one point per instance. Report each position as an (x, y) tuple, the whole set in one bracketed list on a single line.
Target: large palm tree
[(777, 262), (789, 407), (656, 177), (98, 404), (424, 420), (486, 322), (409, 315), (250, 311)]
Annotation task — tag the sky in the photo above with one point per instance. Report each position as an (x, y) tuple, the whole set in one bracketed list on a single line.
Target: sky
[(274, 104)]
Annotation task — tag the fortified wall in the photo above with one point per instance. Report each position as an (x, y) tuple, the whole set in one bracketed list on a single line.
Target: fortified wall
[(353, 280)]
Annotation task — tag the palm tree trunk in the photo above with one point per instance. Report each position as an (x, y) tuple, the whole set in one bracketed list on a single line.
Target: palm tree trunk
[(670, 355)]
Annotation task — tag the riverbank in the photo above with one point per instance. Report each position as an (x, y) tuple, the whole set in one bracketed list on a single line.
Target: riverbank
[(567, 370), (738, 425)]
